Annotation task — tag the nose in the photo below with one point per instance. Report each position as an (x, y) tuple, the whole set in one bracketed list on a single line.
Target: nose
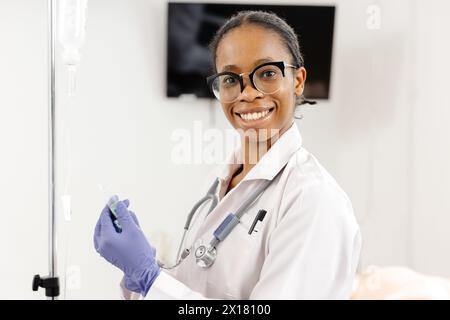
[(249, 93)]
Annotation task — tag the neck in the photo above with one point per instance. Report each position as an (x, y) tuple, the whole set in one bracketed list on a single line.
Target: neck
[(255, 149)]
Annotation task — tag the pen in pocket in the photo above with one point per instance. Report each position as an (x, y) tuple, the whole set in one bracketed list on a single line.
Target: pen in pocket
[(259, 217)]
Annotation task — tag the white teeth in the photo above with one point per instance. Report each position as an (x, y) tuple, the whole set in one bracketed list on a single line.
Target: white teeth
[(254, 115)]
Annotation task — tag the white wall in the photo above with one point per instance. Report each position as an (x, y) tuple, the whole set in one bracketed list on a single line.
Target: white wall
[(430, 142), (382, 135), (23, 164)]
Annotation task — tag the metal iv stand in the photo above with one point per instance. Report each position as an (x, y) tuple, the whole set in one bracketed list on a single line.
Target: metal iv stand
[(51, 282)]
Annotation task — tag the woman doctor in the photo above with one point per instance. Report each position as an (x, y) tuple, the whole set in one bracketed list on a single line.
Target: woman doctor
[(307, 244)]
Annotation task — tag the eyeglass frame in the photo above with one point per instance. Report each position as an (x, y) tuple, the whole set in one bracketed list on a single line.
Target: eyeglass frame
[(280, 64)]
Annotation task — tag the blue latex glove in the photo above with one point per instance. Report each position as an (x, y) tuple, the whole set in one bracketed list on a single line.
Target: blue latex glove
[(129, 250)]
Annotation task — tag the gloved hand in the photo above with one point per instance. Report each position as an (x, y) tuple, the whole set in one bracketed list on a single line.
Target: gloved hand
[(129, 250)]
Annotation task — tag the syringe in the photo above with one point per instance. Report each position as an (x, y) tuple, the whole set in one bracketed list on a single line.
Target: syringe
[(111, 202)]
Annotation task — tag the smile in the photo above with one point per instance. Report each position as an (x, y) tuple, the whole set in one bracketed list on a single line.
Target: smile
[(254, 116)]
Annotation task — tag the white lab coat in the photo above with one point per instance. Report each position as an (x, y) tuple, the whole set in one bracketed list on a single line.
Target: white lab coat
[(307, 247)]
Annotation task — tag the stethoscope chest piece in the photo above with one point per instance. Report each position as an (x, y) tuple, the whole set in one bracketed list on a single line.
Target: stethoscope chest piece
[(205, 257)]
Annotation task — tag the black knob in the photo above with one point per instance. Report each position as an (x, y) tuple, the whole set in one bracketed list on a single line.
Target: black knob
[(36, 282)]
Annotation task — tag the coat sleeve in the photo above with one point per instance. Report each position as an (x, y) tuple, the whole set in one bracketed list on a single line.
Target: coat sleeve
[(313, 251), (165, 287)]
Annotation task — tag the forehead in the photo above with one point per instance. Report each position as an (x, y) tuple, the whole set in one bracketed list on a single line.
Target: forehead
[(243, 48)]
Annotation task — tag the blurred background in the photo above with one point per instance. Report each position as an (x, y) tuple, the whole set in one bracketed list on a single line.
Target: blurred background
[(378, 69)]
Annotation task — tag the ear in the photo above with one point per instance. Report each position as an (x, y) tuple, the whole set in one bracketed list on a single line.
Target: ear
[(299, 81)]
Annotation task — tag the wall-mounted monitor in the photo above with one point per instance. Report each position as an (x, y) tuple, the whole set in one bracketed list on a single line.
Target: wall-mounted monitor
[(191, 27)]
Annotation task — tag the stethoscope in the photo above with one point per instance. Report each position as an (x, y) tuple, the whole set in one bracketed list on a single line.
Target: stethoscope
[(205, 255)]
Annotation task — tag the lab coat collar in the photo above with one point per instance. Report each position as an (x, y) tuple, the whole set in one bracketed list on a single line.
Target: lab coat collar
[(271, 162)]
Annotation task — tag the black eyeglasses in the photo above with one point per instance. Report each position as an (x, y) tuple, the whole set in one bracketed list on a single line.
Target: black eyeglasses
[(267, 78)]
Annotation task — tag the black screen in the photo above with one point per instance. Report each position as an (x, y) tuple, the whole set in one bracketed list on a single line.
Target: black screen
[(191, 27)]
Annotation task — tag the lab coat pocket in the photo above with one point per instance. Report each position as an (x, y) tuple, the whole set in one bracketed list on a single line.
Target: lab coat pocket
[(243, 272)]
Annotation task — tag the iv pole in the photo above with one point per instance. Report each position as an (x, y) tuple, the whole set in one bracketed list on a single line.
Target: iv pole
[(50, 282)]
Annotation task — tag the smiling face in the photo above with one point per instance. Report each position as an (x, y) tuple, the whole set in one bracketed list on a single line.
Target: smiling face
[(240, 51)]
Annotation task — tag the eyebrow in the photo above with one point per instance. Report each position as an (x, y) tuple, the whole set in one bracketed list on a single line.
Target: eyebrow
[(230, 67)]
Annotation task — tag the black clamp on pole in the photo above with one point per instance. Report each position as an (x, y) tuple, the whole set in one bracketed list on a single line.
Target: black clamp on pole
[(50, 284)]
